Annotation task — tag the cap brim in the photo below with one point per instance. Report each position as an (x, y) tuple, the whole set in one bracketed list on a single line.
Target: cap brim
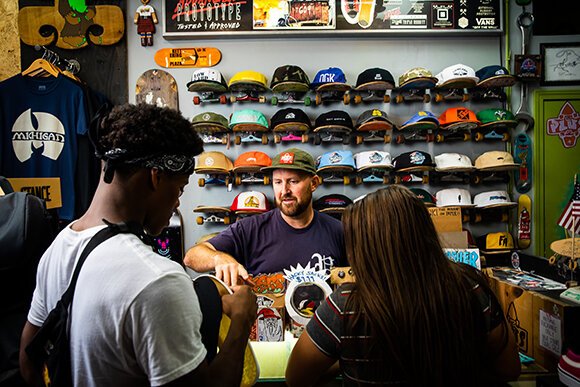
[(374, 166), (503, 124), (419, 83), (341, 168), (460, 83), (211, 208), (504, 80), (496, 205), (211, 170), (502, 167), (462, 125), (375, 85), (457, 205), (293, 167), (375, 125), (248, 168), (249, 211), (247, 85), (249, 128), (335, 86), (417, 168), (421, 125), (291, 126), (297, 87), (206, 85), (338, 128), (455, 169), (209, 127)]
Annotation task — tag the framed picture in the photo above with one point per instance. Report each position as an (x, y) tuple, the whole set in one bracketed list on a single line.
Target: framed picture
[(561, 64)]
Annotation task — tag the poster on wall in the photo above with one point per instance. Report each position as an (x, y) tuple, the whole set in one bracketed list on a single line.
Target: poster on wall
[(200, 18)]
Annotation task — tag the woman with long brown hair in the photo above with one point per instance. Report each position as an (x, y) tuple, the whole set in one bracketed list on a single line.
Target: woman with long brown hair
[(412, 317)]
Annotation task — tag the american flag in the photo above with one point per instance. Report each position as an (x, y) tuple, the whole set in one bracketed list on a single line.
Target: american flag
[(572, 211)]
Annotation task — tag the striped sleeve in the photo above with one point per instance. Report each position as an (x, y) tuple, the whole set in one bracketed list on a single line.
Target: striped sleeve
[(324, 328)]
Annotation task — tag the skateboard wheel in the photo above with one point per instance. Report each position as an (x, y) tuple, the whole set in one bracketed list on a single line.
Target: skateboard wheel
[(238, 180), (386, 179), (357, 99), (227, 181), (573, 264), (321, 179), (425, 179), (465, 218), (504, 217), (358, 180), (346, 139), (400, 139), (238, 140), (387, 139), (465, 97), (476, 179), (266, 180), (346, 98), (346, 180), (307, 101), (359, 140), (318, 99), (277, 138), (439, 138), (274, 101), (552, 260), (399, 98), (233, 99), (505, 137), (196, 100), (304, 138), (261, 99), (397, 179), (387, 98), (223, 99), (466, 136), (430, 137), (317, 139), (199, 220), (225, 140), (201, 182), (426, 98), (227, 220), (478, 136), (264, 139)]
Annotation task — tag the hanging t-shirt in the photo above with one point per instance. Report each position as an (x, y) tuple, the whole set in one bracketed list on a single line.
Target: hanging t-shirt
[(266, 244), (40, 119)]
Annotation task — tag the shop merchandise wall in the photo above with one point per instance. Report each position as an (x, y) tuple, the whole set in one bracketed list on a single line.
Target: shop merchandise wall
[(352, 55)]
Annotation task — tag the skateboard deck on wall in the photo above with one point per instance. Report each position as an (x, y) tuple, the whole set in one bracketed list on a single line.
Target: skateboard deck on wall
[(524, 221), (170, 243), (157, 87), (188, 57), (523, 156)]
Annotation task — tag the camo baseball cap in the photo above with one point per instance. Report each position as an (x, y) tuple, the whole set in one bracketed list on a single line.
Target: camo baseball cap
[(292, 75), (206, 76), (415, 74), (376, 74), (495, 75), (496, 118), (213, 161), (329, 75), (293, 158), (373, 119), (209, 121), (248, 120)]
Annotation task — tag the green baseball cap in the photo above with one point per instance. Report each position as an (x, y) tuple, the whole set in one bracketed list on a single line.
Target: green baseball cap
[(210, 121), (293, 158), (496, 117)]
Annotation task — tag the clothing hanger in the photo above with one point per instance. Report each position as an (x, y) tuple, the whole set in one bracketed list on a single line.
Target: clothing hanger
[(41, 67)]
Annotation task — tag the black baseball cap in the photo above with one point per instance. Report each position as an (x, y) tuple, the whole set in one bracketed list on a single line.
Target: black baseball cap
[(331, 203), (334, 119), (376, 74), (414, 160), (290, 119)]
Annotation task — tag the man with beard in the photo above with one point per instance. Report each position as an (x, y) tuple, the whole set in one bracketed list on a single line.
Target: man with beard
[(292, 233)]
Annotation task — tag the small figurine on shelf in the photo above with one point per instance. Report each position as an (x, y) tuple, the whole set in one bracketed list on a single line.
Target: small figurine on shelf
[(145, 18)]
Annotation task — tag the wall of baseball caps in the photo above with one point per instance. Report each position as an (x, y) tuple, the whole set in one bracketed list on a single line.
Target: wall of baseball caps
[(352, 56)]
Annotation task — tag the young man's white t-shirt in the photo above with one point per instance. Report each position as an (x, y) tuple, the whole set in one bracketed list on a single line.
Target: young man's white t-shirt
[(135, 315)]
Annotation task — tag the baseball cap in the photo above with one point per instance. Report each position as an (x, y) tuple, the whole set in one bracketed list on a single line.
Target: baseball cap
[(290, 119), (491, 199), (333, 159), (494, 76), (248, 120), (213, 161), (334, 119), (414, 160), (253, 160), (331, 203), (249, 76), (417, 74), (293, 158), (495, 160), (327, 76), (421, 120), (455, 117), (250, 202), (425, 196), (457, 72), (495, 242), (209, 121), (453, 197), (206, 77), (372, 159), (453, 162), (376, 74), (496, 117), (373, 119), (290, 77)]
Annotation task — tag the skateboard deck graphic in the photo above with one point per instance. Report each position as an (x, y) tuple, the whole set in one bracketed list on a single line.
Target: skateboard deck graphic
[(251, 370), (170, 243), (523, 156), (188, 57), (157, 87), (366, 15), (350, 10), (524, 221)]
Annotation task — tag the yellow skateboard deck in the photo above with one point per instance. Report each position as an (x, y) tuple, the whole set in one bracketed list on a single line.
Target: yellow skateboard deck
[(366, 15), (188, 57), (524, 221)]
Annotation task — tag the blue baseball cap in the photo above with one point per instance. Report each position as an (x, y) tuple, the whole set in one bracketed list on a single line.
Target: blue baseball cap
[(422, 118), (336, 158), (329, 75)]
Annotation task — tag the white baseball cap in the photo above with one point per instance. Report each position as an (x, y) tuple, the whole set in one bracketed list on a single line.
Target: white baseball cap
[(250, 202), (493, 199), (453, 162), (453, 197), (457, 72), (210, 76), (372, 159)]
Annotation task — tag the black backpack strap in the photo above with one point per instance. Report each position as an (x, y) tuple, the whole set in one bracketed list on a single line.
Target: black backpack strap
[(111, 230)]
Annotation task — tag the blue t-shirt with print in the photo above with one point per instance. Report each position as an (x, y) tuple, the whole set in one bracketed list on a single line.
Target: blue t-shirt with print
[(40, 119), (266, 244)]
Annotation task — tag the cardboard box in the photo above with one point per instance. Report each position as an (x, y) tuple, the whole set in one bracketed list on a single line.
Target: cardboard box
[(517, 305), (453, 239), (556, 324), (446, 219)]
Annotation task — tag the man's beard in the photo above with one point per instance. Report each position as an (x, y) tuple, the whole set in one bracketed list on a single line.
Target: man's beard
[(297, 208)]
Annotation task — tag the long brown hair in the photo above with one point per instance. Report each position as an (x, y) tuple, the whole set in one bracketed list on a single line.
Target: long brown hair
[(416, 302)]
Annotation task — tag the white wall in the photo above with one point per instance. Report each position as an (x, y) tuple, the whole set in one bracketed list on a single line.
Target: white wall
[(352, 55)]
